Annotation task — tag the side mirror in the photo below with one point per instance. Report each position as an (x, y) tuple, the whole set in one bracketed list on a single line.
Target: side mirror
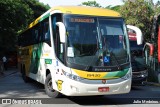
[(138, 32), (62, 31)]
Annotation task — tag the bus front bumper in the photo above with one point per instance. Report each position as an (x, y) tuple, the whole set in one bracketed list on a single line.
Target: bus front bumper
[(75, 88)]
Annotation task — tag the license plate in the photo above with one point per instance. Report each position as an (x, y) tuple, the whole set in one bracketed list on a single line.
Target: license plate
[(103, 89)]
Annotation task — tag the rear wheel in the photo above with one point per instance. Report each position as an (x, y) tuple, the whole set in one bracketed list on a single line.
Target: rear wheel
[(49, 89), (25, 78)]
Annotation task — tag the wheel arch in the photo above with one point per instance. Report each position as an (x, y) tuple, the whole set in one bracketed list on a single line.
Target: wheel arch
[(46, 73)]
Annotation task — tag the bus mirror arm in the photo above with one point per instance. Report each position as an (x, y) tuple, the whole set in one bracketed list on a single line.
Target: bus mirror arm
[(62, 31), (139, 35)]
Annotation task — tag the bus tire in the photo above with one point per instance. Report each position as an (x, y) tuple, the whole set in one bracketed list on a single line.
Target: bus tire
[(49, 89), (25, 78)]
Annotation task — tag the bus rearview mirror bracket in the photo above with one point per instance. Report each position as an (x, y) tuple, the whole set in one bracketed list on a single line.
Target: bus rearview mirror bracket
[(62, 31), (138, 32)]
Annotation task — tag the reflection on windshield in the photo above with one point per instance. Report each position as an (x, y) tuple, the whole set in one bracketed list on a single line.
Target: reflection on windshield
[(91, 41)]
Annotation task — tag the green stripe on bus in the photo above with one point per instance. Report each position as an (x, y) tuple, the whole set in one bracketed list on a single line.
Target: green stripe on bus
[(44, 17), (117, 73)]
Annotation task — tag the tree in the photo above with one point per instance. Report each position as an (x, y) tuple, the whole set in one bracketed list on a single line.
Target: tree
[(15, 16), (115, 8), (138, 13), (91, 3), (37, 7), (95, 4), (155, 7)]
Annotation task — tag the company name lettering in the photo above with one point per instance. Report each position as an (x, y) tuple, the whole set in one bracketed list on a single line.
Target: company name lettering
[(93, 75)]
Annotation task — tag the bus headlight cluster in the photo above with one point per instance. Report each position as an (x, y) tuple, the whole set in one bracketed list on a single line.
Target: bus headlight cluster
[(127, 76), (72, 76), (144, 73)]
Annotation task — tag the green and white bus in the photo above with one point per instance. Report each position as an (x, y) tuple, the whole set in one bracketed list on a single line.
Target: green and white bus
[(77, 51)]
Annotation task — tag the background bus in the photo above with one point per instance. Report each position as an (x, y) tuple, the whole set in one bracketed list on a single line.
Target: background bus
[(139, 67), (77, 51), (152, 51)]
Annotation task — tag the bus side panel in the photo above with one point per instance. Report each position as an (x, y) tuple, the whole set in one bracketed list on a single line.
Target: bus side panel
[(24, 59), (43, 62), (35, 58), (30, 60)]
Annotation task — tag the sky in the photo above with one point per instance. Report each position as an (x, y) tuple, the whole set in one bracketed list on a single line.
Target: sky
[(103, 3)]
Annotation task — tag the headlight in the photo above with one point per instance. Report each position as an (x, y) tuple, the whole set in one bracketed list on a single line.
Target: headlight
[(72, 76), (144, 73), (127, 76)]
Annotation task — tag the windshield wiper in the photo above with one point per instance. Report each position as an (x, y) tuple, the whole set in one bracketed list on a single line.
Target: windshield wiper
[(117, 64)]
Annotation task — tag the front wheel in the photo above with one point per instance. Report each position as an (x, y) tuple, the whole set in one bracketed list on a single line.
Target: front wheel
[(49, 89)]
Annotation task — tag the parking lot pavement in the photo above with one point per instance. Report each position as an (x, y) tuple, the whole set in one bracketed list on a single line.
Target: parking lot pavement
[(13, 86), (8, 72), (152, 83)]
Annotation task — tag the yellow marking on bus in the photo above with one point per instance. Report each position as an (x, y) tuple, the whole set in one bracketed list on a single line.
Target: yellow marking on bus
[(90, 75), (34, 23), (81, 10), (84, 10), (59, 84), (45, 54)]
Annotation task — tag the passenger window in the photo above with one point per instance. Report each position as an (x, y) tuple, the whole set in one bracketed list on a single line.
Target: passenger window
[(45, 31)]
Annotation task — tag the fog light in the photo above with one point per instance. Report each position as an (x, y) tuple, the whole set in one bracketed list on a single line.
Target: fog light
[(144, 73), (127, 87), (75, 89)]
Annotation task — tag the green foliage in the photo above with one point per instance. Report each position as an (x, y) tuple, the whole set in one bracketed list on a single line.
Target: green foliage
[(37, 7), (138, 13), (115, 8), (95, 4), (15, 15), (156, 8), (91, 3)]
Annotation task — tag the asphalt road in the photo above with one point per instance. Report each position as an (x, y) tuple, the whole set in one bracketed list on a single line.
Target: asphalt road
[(12, 86)]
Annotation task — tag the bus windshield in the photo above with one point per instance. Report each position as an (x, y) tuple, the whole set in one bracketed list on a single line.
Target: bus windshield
[(96, 41)]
